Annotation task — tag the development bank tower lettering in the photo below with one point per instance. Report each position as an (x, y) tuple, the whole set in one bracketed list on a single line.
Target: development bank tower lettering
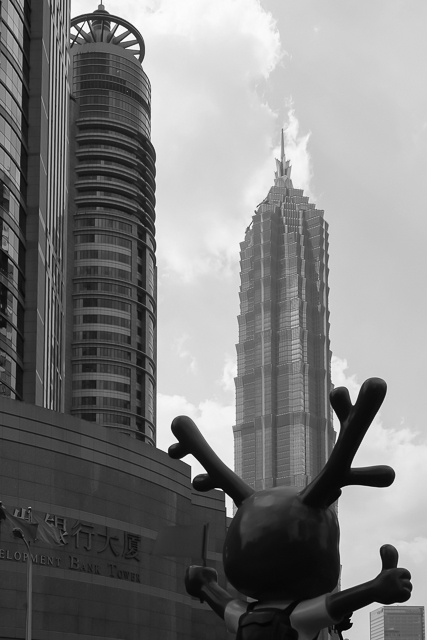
[(85, 547), (75, 564)]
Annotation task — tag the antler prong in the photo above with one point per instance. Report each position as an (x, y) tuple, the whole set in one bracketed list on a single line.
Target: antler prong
[(190, 440), (355, 421)]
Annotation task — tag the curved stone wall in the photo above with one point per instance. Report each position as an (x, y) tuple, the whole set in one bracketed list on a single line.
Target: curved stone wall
[(109, 494)]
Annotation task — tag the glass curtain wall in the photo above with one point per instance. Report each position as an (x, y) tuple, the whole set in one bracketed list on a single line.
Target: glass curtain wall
[(114, 265), (14, 99), (283, 432)]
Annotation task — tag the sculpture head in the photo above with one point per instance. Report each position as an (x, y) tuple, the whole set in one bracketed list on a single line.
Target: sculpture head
[(278, 547), (283, 542)]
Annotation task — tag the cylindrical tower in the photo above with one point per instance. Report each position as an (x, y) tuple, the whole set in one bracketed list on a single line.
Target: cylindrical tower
[(113, 280)]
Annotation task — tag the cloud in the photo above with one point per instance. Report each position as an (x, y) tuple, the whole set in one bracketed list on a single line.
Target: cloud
[(372, 517), (296, 149), (185, 354), (214, 420), (229, 373), (339, 367), (213, 130)]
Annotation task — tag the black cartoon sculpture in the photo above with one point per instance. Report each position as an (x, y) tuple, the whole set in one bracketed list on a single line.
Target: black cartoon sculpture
[(282, 547)]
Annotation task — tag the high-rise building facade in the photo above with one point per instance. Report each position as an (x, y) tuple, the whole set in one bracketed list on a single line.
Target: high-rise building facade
[(397, 623), (283, 433), (34, 94), (112, 285)]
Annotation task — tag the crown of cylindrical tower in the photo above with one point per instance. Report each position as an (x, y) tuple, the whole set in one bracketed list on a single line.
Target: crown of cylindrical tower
[(114, 276)]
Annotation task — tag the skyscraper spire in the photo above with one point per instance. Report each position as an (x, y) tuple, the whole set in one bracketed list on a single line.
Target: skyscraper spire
[(283, 167)]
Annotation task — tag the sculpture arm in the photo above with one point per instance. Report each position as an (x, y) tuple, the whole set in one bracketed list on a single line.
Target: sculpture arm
[(202, 583), (391, 585)]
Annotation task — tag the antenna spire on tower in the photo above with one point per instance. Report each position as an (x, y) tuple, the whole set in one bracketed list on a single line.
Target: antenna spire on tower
[(282, 146), (283, 166)]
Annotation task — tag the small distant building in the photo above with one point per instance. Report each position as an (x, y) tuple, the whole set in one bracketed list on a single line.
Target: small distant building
[(397, 623)]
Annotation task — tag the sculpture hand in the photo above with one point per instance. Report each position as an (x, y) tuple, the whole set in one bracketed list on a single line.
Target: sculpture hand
[(197, 577), (393, 584)]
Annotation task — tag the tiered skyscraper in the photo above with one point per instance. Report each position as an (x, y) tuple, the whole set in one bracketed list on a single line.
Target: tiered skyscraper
[(112, 285), (283, 433)]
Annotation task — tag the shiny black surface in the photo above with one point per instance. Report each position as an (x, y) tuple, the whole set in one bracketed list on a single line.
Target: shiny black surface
[(279, 548)]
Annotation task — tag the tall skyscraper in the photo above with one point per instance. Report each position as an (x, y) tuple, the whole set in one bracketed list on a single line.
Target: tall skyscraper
[(397, 623), (107, 495), (34, 94), (283, 433), (112, 285)]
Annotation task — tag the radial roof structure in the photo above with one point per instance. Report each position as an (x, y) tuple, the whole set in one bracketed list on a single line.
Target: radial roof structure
[(100, 26)]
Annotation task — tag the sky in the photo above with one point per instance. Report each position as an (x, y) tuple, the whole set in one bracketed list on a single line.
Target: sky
[(346, 80)]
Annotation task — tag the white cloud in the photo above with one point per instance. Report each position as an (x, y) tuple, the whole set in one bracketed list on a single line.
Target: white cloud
[(205, 60), (214, 420), (340, 379), (296, 149), (229, 373), (372, 517), (185, 354)]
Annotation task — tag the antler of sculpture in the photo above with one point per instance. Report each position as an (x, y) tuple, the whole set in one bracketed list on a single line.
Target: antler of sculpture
[(191, 441), (355, 421)]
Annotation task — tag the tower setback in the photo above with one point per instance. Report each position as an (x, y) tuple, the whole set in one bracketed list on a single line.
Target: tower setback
[(283, 433)]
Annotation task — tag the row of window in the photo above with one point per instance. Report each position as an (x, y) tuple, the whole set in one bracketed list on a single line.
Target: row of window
[(11, 308), (12, 143), (10, 335), (105, 303), (105, 223), (105, 287), (100, 254), (11, 244), (104, 100), (105, 194), (105, 418), (101, 367), (10, 203), (13, 19), (97, 164), (97, 62), (11, 167), (106, 272), (10, 271), (101, 319), (101, 352), (83, 84), (103, 239), (108, 147), (110, 385), (128, 183), (11, 375), (101, 401), (102, 112), (12, 107), (104, 336), (122, 75), (10, 40), (10, 77)]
